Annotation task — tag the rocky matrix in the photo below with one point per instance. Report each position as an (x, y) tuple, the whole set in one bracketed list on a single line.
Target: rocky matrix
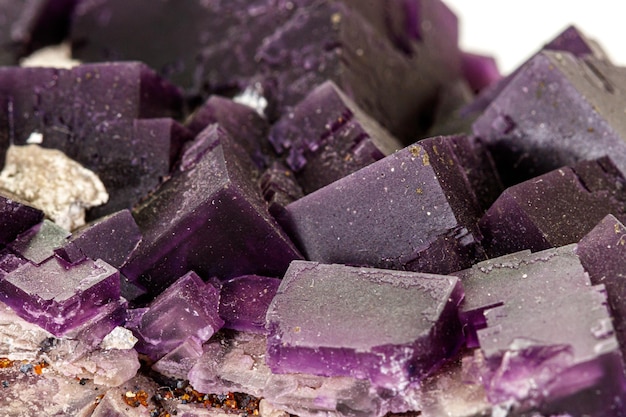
[(305, 208)]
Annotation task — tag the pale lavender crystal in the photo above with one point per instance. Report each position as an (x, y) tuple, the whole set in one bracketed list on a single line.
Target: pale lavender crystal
[(113, 404), (16, 217), (390, 327), (57, 298), (209, 218), (244, 301), (112, 239), (38, 243), (602, 253), (28, 394), (453, 391), (420, 223), (178, 362), (545, 334), (109, 316), (187, 309), (236, 363), (554, 209), (327, 136)]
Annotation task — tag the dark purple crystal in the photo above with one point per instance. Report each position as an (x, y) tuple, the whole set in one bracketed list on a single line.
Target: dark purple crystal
[(210, 219)]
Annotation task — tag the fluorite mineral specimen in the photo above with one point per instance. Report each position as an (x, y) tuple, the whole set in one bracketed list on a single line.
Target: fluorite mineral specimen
[(315, 208), (390, 327), (429, 221)]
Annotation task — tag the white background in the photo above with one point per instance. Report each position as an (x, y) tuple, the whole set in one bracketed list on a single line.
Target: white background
[(512, 30)]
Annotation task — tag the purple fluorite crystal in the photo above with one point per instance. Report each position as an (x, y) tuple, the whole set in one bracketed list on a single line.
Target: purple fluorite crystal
[(545, 334), (112, 238), (104, 116), (554, 209), (602, 253), (480, 71), (390, 327), (279, 50), (335, 223), (39, 242), (187, 309), (244, 301), (571, 40), (327, 136), (242, 122), (574, 41), (236, 363), (16, 217), (557, 110), (179, 361), (59, 298), (279, 187), (210, 219)]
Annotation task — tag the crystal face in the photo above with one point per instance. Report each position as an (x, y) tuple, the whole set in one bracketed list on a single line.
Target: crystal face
[(390, 327), (554, 209), (509, 302), (209, 218), (187, 309), (334, 224), (58, 299)]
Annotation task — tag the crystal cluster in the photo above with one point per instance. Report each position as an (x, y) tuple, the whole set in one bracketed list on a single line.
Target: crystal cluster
[(309, 208)]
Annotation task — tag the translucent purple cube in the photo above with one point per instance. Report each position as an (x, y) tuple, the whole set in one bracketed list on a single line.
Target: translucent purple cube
[(244, 302), (60, 298), (391, 327), (544, 333), (187, 309)]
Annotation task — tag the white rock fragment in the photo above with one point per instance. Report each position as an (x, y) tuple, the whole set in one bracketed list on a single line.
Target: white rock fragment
[(253, 97), (119, 338), (105, 367), (55, 56), (49, 180), (35, 138)]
